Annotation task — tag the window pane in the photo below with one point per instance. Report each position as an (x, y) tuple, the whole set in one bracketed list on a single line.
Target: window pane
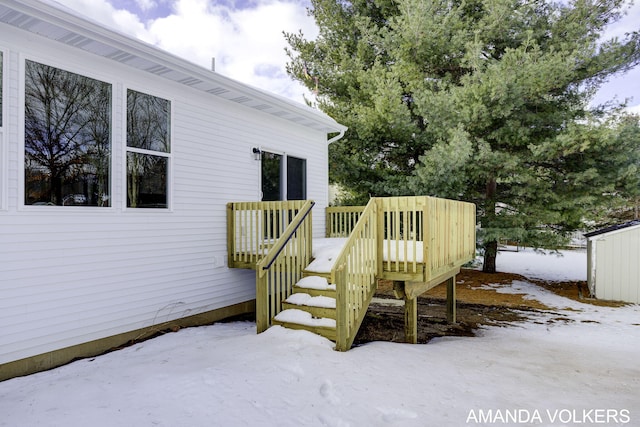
[(296, 178), (147, 180), (148, 120), (67, 138), (271, 176)]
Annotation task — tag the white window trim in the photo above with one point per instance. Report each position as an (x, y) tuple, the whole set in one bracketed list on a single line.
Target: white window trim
[(22, 58), (126, 149)]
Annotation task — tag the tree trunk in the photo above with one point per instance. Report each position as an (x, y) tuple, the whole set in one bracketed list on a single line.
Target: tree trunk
[(490, 253), (491, 246)]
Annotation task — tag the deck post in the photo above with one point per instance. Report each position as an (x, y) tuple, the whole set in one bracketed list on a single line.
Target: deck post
[(451, 299), (411, 320), (262, 302), (231, 235)]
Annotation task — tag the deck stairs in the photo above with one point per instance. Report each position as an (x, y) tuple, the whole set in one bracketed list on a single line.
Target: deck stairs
[(418, 241), (311, 307)]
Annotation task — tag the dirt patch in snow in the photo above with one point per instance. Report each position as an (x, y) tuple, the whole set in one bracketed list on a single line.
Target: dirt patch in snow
[(477, 305)]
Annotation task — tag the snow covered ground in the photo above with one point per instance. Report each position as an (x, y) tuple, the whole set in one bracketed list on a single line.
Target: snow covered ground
[(570, 367)]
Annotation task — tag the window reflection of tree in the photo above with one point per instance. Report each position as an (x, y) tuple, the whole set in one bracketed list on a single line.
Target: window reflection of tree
[(67, 137), (148, 130), (271, 176), (146, 181)]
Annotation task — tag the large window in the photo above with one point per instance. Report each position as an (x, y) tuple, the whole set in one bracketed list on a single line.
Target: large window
[(67, 147), (148, 150)]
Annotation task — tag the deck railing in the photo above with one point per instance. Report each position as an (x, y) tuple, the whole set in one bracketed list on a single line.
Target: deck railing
[(401, 229), (282, 266), (254, 227), (450, 235), (419, 237), (340, 220), (354, 273)]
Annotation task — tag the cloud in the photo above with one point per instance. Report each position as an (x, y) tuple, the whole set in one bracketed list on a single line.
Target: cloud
[(104, 13), (245, 37), (634, 110), (627, 24), (146, 5), (244, 41)]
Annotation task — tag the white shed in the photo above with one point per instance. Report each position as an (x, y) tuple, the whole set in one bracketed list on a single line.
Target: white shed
[(613, 262), (117, 161)]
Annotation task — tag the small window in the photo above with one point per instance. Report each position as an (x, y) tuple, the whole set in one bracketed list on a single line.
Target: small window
[(296, 178), (67, 143), (271, 176), (148, 150)]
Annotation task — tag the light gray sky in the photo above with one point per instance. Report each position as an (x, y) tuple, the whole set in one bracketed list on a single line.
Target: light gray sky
[(246, 37)]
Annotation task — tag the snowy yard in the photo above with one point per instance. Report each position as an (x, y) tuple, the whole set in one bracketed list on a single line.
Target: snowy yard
[(580, 371)]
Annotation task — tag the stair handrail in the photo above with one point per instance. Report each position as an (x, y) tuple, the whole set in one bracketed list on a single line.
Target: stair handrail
[(282, 266), (354, 274), (288, 233)]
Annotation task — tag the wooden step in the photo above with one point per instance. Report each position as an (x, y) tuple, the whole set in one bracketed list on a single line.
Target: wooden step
[(331, 293), (319, 306), (302, 320), (307, 273), (315, 286), (329, 313)]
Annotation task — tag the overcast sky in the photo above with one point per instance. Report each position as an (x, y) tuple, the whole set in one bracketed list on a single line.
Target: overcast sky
[(245, 37)]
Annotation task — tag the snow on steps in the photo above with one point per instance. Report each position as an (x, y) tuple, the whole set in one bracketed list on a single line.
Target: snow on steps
[(311, 307), (319, 306), (300, 319), (315, 286)]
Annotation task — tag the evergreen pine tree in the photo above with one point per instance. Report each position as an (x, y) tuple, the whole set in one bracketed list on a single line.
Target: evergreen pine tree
[(481, 100)]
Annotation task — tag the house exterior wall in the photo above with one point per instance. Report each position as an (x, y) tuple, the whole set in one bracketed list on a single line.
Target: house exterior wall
[(614, 270), (70, 275)]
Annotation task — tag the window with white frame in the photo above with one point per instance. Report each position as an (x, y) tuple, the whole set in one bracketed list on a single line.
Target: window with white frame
[(148, 150), (67, 138), (283, 177)]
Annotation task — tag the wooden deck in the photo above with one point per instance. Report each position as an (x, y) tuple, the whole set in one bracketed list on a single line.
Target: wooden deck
[(416, 242)]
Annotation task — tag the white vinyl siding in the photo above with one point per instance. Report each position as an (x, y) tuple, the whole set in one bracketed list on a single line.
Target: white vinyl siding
[(72, 275), (3, 146)]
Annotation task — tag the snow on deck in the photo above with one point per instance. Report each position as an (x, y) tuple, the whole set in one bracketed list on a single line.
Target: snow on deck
[(326, 250)]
